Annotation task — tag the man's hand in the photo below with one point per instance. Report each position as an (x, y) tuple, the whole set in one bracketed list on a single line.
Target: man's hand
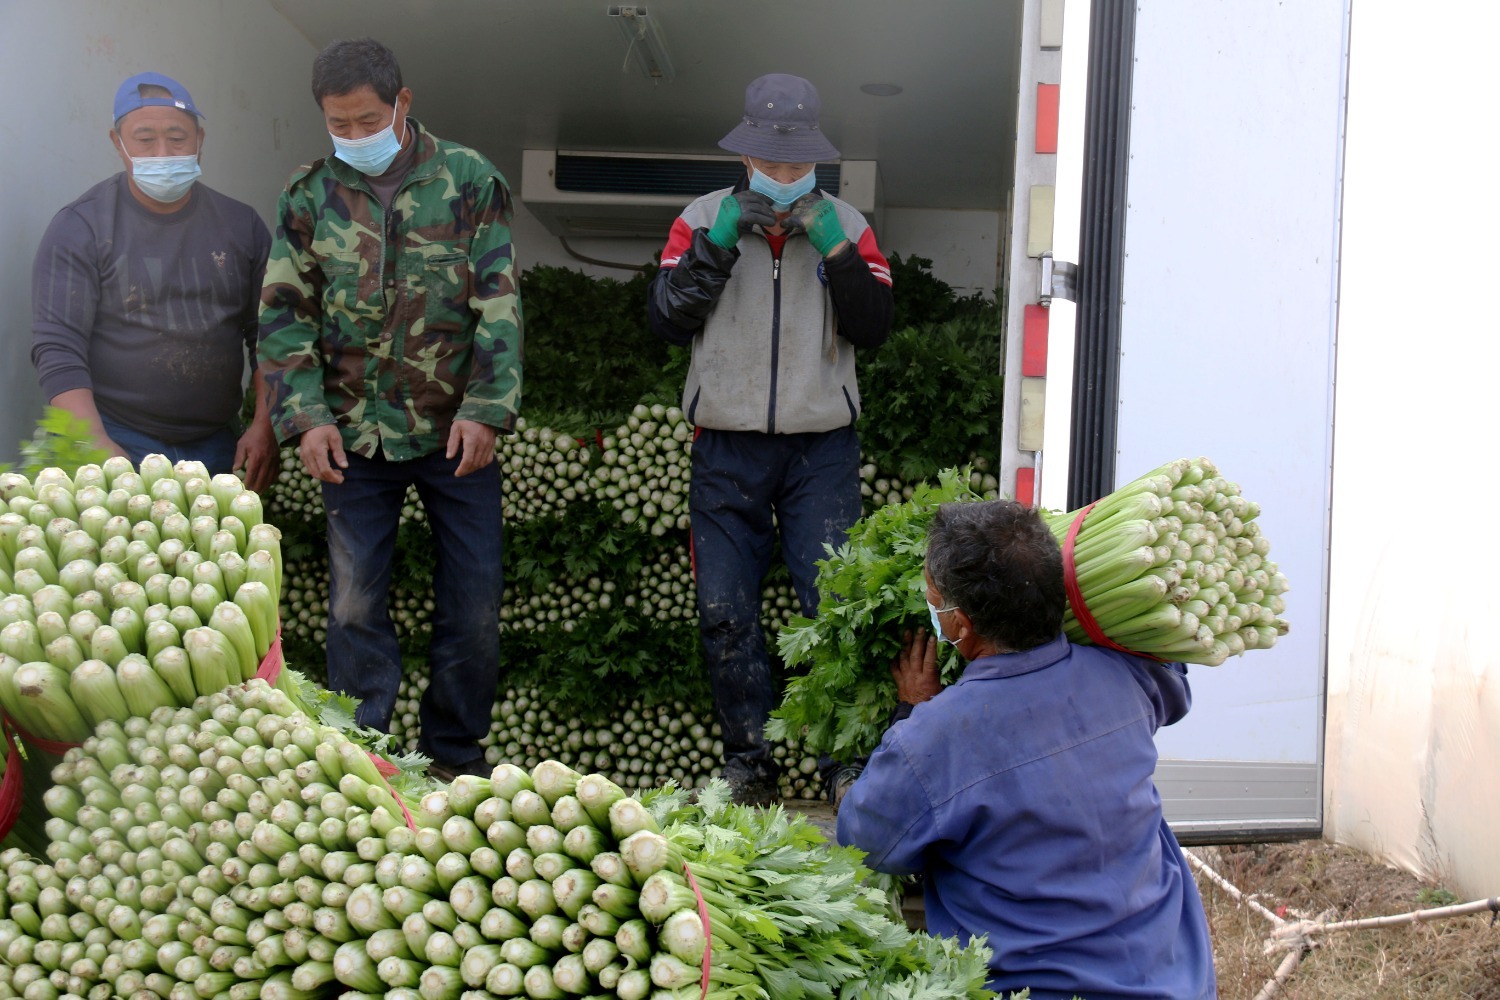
[(475, 442), (915, 670), (738, 213), (80, 403), (322, 452), (256, 453), (816, 216)]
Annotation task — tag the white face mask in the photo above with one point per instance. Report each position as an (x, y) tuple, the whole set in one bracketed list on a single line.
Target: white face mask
[(373, 154), (165, 178), (937, 625), (782, 195)]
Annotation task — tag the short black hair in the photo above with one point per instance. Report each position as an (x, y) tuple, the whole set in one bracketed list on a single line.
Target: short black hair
[(998, 560), (346, 65)]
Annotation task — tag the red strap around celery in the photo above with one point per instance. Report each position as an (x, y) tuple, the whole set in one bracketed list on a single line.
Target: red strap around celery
[(1075, 593), (707, 927), (271, 663), (387, 770), (10, 786), (41, 743)]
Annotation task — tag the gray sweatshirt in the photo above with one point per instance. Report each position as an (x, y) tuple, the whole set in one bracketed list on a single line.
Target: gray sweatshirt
[(155, 313)]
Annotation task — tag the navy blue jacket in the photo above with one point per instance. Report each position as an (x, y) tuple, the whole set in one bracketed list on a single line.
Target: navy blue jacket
[(1024, 793)]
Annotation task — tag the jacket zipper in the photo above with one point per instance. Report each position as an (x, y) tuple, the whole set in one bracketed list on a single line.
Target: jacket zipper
[(775, 336), (398, 340)]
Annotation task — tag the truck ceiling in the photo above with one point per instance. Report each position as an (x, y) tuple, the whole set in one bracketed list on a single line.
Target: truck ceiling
[(507, 75)]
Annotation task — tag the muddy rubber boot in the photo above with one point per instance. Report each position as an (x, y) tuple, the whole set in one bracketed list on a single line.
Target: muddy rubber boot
[(749, 786)]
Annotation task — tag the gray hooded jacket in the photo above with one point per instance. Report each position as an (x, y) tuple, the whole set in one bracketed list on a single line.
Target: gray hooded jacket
[(768, 336)]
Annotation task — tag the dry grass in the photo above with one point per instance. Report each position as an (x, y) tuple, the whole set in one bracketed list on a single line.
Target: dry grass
[(1453, 959)]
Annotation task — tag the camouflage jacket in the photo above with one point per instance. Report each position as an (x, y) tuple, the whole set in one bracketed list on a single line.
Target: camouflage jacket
[(393, 325)]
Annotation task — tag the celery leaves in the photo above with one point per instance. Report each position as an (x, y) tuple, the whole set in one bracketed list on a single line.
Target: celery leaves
[(873, 592)]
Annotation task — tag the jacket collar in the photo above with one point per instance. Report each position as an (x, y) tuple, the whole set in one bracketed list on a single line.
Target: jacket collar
[(1014, 664), (426, 163)]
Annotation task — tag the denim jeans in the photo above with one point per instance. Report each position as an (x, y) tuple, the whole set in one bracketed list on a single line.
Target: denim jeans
[(216, 451), (740, 478), (364, 659)]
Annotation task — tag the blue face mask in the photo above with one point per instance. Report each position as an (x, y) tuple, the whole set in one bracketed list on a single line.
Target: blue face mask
[(937, 625), (782, 195), (165, 178), (373, 154)]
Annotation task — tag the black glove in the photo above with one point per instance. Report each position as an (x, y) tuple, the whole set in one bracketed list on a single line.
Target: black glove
[(816, 216), (738, 213)]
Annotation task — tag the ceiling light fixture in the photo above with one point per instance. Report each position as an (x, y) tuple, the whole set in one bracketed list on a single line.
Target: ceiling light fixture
[(645, 44), (881, 89)]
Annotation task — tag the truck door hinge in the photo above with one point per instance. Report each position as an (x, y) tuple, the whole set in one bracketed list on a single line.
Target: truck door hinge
[(1059, 280)]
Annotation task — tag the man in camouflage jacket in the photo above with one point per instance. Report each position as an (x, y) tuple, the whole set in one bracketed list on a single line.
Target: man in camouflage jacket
[(391, 341)]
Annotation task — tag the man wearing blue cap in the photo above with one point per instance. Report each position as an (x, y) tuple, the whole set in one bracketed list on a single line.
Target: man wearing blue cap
[(144, 297), (773, 283)]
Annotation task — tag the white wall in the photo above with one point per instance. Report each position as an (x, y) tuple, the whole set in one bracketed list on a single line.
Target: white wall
[(535, 244), (964, 247), (1413, 755), (60, 63)]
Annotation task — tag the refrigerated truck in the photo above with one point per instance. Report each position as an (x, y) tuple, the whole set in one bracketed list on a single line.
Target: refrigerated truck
[(1204, 192)]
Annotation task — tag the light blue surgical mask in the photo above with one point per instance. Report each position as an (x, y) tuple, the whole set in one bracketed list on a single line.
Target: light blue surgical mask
[(165, 178), (782, 195), (373, 154), (937, 625)]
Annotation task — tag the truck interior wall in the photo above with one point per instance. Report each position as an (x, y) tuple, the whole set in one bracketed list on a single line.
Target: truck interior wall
[(60, 62), (1413, 758)]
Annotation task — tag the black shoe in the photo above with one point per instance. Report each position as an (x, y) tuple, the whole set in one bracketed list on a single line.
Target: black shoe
[(478, 767), (749, 787)]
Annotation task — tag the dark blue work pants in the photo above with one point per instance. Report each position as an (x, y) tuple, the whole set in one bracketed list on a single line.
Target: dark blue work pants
[(216, 451), (464, 652), (810, 482)]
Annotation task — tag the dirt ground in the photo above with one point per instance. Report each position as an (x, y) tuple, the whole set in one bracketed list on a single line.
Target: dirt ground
[(1452, 959)]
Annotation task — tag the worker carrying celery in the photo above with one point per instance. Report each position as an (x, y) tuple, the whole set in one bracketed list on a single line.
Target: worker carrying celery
[(1023, 792)]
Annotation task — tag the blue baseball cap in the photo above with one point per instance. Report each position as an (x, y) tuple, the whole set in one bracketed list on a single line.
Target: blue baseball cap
[(128, 98)]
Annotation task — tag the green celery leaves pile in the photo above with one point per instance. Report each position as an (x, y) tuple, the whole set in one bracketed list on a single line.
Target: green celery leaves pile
[(873, 593)]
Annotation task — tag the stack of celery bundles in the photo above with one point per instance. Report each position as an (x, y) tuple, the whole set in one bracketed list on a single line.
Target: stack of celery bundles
[(237, 848), (122, 591), (1172, 566)]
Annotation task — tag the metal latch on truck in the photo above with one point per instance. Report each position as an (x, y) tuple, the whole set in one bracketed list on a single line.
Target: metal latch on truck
[(1059, 280)]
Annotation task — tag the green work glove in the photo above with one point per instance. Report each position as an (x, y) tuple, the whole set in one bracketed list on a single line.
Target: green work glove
[(816, 216), (738, 212)]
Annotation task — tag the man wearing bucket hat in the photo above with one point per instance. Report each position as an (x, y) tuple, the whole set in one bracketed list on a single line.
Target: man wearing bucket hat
[(773, 284), (144, 297)]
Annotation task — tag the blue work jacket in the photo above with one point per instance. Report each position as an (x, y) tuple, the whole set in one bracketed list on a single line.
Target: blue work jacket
[(1024, 794)]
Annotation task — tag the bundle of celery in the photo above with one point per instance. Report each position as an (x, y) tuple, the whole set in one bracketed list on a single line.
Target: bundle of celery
[(1172, 565), (238, 849), (786, 913), (122, 591)]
